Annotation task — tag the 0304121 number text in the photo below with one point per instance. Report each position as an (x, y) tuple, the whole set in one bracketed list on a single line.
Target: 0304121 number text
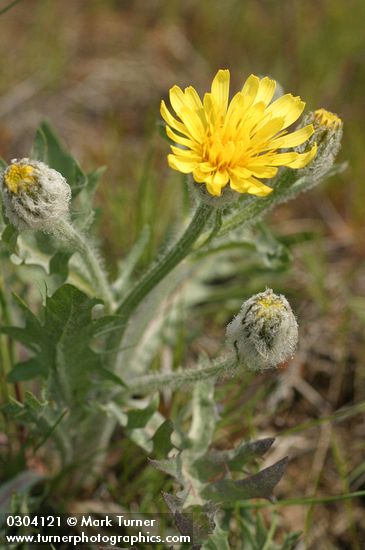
[(35, 521)]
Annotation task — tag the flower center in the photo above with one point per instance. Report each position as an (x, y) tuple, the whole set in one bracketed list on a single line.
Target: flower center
[(19, 178), (219, 150)]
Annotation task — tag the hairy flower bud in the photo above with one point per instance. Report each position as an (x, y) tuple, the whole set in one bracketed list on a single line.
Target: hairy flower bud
[(328, 131), (265, 332), (35, 196)]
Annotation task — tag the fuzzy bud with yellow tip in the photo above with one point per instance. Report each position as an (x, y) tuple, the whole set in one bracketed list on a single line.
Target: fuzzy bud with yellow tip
[(325, 119), (35, 196), (328, 131), (265, 332)]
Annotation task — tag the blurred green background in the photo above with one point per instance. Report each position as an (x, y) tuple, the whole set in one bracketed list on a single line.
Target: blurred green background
[(97, 69)]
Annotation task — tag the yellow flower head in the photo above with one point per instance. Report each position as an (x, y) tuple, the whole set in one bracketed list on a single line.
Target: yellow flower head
[(321, 117), (235, 142)]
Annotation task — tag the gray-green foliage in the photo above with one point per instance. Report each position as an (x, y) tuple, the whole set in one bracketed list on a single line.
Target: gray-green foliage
[(209, 482), (81, 345), (61, 343)]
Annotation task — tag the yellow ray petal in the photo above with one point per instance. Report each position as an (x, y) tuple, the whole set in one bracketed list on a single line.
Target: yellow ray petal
[(182, 140), (295, 138), (250, 88), (241, 151), (192, 98), (235, 112), (277, 159), (264, 159), (263, 171), (250, 121), (200, 175), (206, 168), (181, 101), (266, 90), (256, 187), (240, 173), (248, 185), (291, 159), (185, 153), (268, 130), (220, 89), (193, 124), (181, 165), (210, 110), (177, 99), (214, 190), (220, 177), (287, 106), (171, 121), (303, 159)]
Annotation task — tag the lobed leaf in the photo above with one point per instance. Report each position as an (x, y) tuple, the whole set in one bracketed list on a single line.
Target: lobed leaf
[(61, 344), (171, 466), (214, 463), (260, 485)]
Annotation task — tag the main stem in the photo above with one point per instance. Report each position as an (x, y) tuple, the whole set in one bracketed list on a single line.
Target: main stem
[(77, 242), (163, 266), (6, 362)]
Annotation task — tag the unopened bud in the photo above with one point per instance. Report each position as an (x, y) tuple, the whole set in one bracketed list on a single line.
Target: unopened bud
[(35, 196), (265, 332), (328, 131)]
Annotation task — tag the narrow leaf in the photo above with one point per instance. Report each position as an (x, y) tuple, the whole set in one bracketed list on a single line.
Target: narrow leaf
[(26, 371), (162, 438), (39, 149), (59, 159), (59, 264), (9, 237), (20, 485), (204, 416)]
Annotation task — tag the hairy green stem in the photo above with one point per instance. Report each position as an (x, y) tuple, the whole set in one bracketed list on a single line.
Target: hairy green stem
[(6, 362), (162, 267), (288, 184), (6, 359), (77, 242), (170, 260), (4, 369), (154, 382)]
